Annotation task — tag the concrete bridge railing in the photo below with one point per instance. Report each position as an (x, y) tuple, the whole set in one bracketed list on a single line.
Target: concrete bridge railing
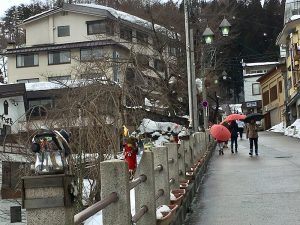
[(162, 170)]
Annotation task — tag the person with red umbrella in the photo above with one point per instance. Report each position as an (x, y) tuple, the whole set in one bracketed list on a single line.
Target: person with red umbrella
[(221, 134)]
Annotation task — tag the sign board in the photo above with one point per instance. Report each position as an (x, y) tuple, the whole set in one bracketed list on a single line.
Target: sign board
[(251, 104), (204, 103)]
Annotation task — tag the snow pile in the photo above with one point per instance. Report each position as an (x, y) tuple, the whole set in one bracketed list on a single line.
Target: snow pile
[(292, 131), (184, 132), (160, 141), (172, 197), (278, 128), (149, 126), (160, 210)]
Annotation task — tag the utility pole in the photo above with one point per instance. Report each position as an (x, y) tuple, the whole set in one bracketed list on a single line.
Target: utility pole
[(193, 112), (188, 59), (193, 83), (204, 91)]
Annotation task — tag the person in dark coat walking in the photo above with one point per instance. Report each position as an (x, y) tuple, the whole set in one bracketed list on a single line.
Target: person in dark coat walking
[(253, 136), (234, 135)]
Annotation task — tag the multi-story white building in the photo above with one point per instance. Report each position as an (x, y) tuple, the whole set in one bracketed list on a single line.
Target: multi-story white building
[(252, 89), (59, 40), (78, 41)]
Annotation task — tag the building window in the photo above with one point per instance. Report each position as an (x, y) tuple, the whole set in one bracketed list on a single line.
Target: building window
[(126, 33), (256, 89), (59, 78), (265, 98), (88, 54), (143, 61), (39, 107), (159, 65), (116, 67), (100, 27), (33, 80), (172, 51), (11, 174), (280, 86), (59, 57), (27, 60), (5, 107), (63, 31), (273, 93), (141, 38)]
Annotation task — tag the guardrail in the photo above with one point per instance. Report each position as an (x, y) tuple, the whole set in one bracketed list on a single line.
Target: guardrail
[(161, 169)]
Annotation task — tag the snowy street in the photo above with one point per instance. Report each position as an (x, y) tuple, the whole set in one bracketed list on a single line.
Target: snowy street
[(262, 190)]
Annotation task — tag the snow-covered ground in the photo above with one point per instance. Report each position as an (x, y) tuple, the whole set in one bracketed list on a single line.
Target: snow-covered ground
[(292, 131)]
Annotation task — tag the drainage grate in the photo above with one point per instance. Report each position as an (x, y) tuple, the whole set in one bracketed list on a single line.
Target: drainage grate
[(283, 157)]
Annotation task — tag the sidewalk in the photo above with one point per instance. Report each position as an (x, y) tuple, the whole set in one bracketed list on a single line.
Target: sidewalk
[(243, 190)]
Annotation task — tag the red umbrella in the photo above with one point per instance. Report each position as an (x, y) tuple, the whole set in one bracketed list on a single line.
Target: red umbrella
[(220, 132), (235, 117)]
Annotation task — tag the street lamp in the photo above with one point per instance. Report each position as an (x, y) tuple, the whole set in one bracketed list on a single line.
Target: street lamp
[(208, 39), (208, 36)]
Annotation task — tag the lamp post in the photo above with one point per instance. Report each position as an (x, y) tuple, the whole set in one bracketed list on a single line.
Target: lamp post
[(208, 37)]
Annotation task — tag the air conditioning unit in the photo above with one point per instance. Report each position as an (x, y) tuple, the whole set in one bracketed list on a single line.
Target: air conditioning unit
[(266, 108)]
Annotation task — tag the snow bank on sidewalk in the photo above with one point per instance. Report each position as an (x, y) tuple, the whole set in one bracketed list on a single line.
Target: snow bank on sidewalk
[(292, 131), (278, 128)]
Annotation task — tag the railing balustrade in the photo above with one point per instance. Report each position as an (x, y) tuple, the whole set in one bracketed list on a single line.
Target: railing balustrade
[(161, 169)]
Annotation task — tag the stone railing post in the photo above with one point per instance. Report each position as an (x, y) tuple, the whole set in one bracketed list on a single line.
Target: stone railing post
[(145, 191), (203, 143), (162, 177), (193, 149), (197, 145), (115, 178), (48, 199), (181, 162), (187, 154), (173, 165)]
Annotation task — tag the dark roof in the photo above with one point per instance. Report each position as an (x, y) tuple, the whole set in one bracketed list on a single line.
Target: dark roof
[(56, 47), (10, 90)]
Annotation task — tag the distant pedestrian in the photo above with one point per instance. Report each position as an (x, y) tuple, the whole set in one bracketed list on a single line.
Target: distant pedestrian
[(253, 136), (220, 147), (241, 126), (233, 127)]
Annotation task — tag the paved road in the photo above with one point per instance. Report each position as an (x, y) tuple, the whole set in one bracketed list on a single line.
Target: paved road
[(263, 190)]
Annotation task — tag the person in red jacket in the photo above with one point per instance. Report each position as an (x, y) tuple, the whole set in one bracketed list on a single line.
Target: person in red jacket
[(130, 153)]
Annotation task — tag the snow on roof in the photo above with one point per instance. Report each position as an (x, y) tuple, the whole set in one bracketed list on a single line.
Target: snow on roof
[(260, 63), (128, 17), (38, 86), (39, 14), (118, 15)]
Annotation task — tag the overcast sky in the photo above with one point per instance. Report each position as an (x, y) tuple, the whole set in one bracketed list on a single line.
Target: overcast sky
[(6, 4)]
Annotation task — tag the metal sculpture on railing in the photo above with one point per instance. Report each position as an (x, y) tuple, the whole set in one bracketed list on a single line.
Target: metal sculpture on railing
[(52, 149)]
